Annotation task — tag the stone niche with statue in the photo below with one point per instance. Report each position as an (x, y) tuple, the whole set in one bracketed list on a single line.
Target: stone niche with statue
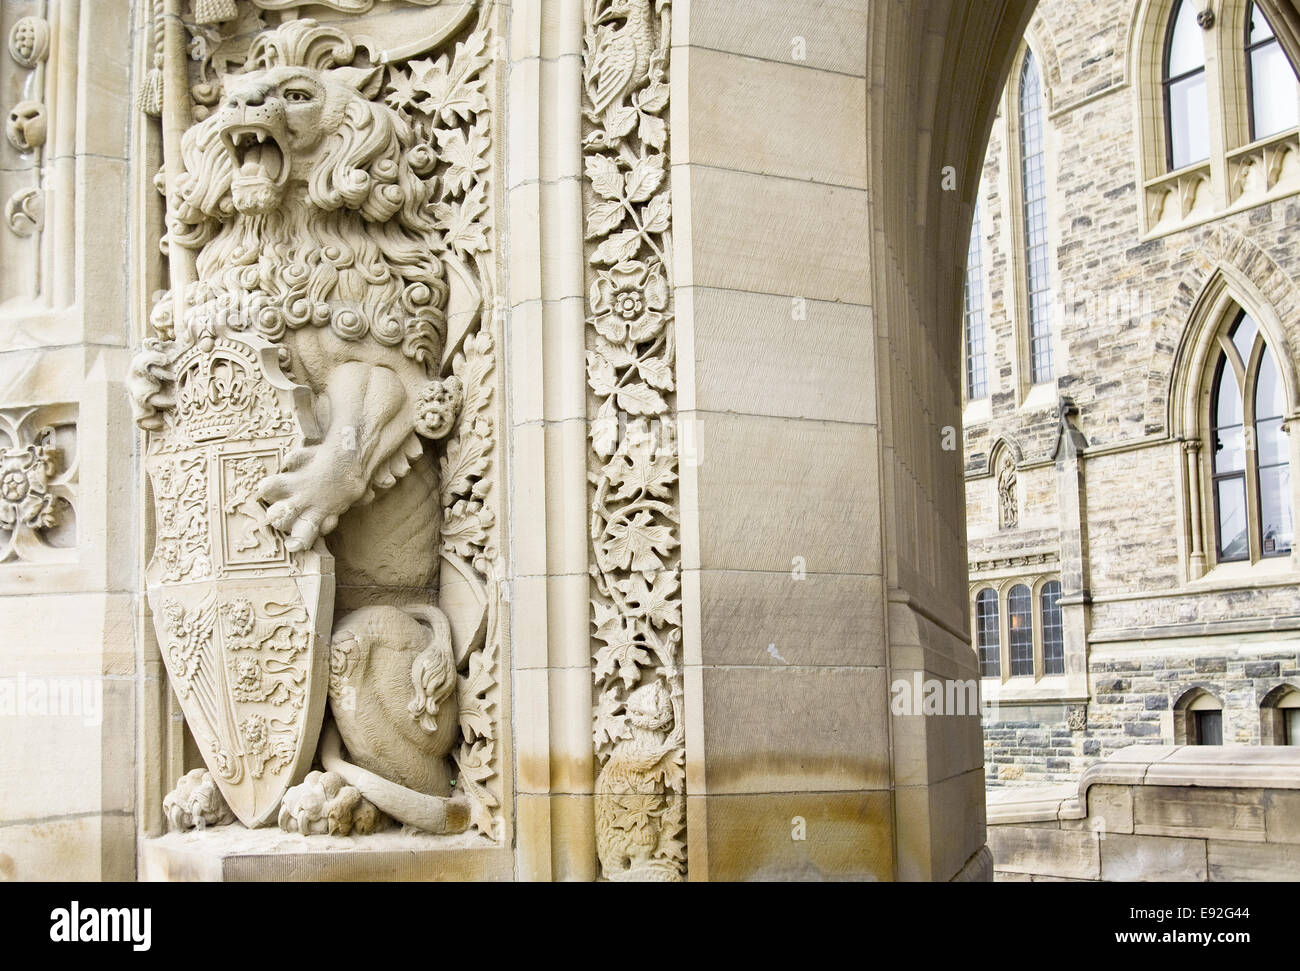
[(318, 391)]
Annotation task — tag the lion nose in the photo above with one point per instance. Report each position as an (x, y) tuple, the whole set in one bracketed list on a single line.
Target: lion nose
[(250, 99)]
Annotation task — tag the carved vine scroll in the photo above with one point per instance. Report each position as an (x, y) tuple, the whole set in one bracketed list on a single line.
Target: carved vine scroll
[(639, 732)]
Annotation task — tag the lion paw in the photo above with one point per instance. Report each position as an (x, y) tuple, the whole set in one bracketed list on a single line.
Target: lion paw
[(196, 803), (311, 491), (324, 804)]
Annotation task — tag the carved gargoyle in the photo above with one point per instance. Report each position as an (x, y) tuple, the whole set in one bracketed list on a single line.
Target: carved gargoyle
[(304, 201)]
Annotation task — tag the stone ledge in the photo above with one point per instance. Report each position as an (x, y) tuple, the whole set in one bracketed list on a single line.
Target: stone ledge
[(236, 854), (1216, 766)]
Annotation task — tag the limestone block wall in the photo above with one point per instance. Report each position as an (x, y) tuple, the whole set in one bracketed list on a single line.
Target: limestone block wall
[(1156, 813), (1123, 299)]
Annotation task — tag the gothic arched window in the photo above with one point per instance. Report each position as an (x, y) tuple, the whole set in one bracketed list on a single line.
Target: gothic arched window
[(1270, 82), (988, 637), (1033, 188), (1053, 628), (1020, 619), (1249, 450), (1187, 109)]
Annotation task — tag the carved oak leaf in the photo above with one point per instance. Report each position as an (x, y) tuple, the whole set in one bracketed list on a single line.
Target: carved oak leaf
[(465, 459), (465, 528), (632, 544), (654, 601), (610, 724), (642, 469), (475, 708), (621, 653), (464, 151), (459, 221), (474, 765)]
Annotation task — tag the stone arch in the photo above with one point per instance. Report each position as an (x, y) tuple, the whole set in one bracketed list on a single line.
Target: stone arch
[(1001, 446), (1231, 268)]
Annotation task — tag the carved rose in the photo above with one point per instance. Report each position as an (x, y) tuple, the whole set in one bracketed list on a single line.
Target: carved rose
[(628, 299), (24, 487)]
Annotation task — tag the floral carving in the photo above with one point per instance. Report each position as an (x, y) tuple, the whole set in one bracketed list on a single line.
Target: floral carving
[(36, 485), (639, 732)]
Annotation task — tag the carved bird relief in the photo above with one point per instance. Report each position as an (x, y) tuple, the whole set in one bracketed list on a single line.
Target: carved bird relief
[(625, 41)]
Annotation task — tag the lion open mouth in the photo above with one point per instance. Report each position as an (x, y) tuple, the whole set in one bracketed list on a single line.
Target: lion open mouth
[(257, 154)]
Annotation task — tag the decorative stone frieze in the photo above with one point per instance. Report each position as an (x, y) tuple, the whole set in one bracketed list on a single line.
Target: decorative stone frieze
[(636, 585)]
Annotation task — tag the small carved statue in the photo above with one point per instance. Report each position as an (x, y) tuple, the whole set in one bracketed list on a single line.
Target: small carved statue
[(1008, 504)]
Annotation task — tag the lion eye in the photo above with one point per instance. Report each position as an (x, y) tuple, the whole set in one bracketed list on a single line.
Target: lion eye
[(297, 97)]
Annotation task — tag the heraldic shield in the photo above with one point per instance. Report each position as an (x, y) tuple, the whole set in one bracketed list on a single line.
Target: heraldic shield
[(243, 623)]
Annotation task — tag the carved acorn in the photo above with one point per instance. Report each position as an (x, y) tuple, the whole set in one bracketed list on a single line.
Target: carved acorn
[(214, 11)]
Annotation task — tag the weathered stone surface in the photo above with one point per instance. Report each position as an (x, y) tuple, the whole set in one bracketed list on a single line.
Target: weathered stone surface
[(1152, 858)]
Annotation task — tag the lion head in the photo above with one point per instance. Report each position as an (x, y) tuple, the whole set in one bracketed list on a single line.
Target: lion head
[(308, 202)]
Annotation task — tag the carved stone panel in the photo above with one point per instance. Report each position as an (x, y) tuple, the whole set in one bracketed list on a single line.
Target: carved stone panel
[(636, 603), (329, 197)]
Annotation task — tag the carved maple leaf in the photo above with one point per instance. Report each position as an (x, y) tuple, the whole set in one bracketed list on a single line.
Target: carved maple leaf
[(622, 653), (460, 221), (463, 149), (633, 544), (610, 724), (453, 91), (642, 469), (474, 765), (654, 601)]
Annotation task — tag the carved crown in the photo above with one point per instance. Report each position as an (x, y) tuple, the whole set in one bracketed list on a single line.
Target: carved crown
[(215, 392)]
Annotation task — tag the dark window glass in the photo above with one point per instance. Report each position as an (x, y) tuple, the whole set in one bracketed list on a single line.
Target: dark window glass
[(1033, 164), (1209, 727), (988, 638), (1053, 629), (1270, 81), (1020, 615), (1187, 112), (976, 368)]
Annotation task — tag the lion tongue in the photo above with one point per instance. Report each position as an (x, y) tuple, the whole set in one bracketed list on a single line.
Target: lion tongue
[(262, 161)]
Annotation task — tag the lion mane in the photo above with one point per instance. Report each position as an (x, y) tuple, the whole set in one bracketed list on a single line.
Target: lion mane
[(350, 244)]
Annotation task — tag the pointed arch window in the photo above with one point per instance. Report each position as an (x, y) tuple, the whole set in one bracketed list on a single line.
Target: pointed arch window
[(1270, 82), (1187, 107), (1249, 449), (988, 637), (1053, 628), (1033, 187), (1020, 619)]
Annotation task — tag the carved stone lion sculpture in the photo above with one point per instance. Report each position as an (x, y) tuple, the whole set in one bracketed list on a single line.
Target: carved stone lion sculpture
[(306, 203)]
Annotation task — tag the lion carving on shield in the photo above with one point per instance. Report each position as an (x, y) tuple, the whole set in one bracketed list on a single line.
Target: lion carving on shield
[(307, 205)]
